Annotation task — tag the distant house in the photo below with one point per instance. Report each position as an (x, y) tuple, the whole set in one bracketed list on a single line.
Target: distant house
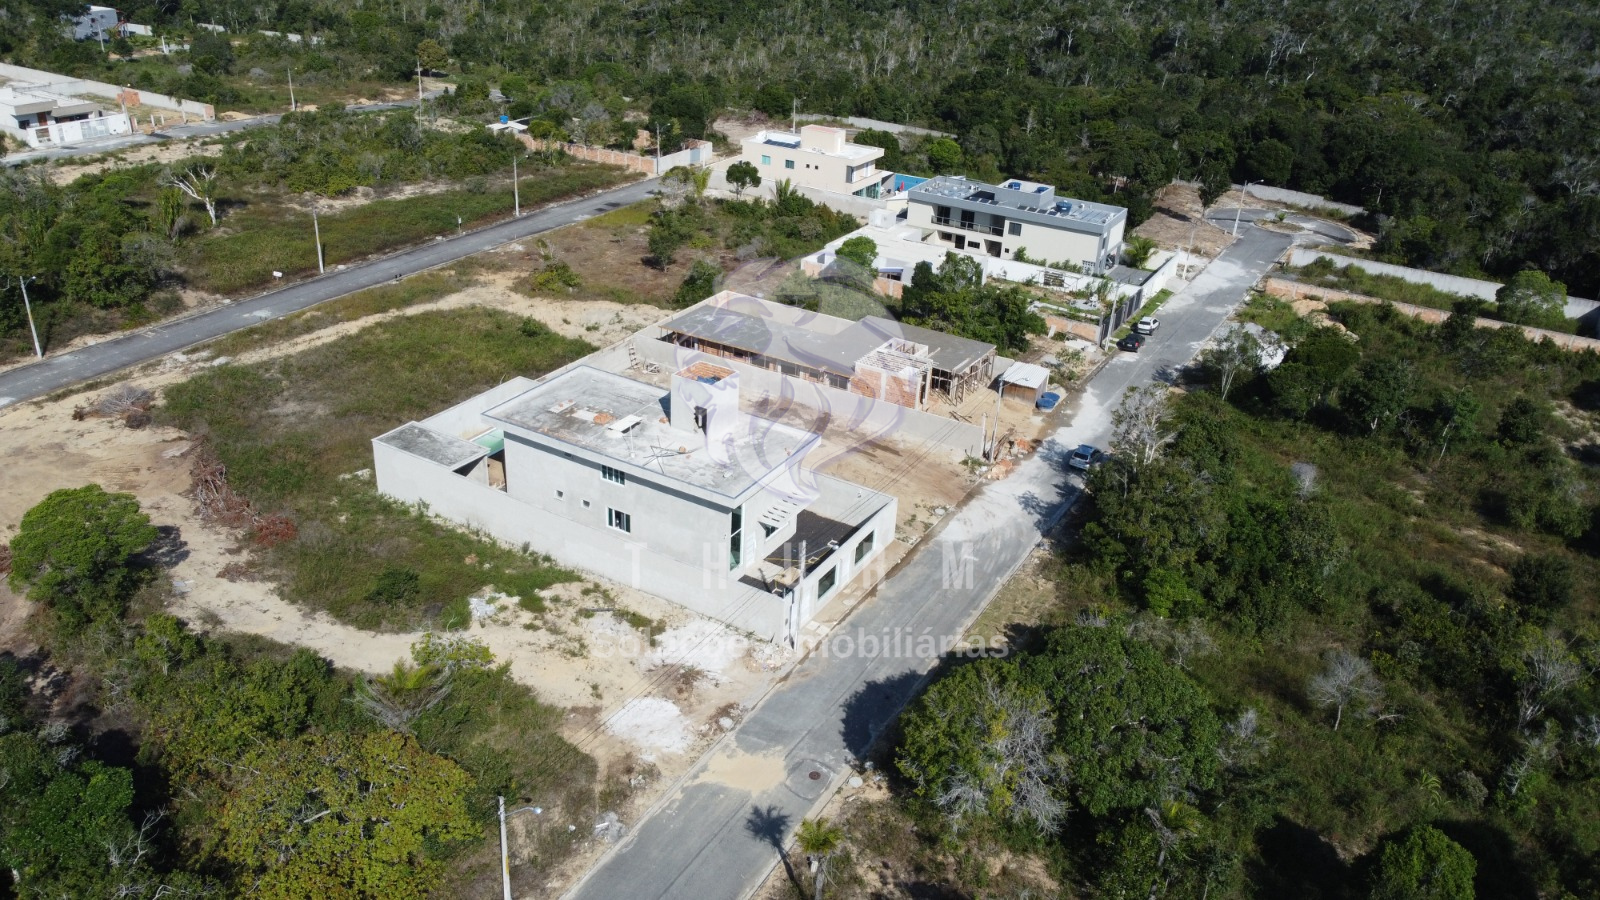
[(95, 24), (818, 157), (998, 219), (44, 119)]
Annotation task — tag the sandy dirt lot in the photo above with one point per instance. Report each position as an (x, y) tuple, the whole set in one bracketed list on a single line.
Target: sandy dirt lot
[(164, 153)]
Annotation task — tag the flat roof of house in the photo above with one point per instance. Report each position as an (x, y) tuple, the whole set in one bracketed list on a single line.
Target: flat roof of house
[(829, 349), (955, 187), (433, 446), (791, 141), (627, 421)]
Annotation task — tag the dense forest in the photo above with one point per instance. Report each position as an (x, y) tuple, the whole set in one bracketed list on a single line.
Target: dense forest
[(1468, 129)]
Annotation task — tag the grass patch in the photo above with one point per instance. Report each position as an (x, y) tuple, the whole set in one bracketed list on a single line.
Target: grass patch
[(423, 288), (273, 236), (289, 429)]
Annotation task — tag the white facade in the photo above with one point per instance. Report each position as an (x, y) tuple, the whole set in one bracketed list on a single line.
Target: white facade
[(46, 119), (818, 157), (997, 220), (677, 493)]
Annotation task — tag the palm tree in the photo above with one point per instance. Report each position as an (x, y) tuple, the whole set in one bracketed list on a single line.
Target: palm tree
[(819, 839)]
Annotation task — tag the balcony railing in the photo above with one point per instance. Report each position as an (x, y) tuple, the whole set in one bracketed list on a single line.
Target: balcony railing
[(995, 230)]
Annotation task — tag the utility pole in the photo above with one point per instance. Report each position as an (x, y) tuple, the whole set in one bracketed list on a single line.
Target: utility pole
[(28, 307), (419, 84), (292, 106), (1238, 209), (316, 233), (794, 115), (505, 856), (516, 190), (658, 148)]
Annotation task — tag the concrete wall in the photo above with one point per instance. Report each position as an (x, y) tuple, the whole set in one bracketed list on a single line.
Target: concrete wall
[(859, 122), (1294, 290), (815, 407), (1576, 307), (1300, 198), (63, 84), (62, 134)]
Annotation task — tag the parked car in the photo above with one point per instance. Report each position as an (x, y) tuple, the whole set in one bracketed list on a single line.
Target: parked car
[(1147, 325), (1084, 457), (1132, 342)]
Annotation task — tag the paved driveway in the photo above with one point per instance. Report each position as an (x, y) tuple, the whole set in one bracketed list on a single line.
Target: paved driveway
[(718, 837), (56, 372)]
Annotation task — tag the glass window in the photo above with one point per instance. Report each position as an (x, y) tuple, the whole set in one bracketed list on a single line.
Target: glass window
[(614, 475), (619, 520), (827, 582), (788, 164), (736, 539), (865, 547), (766, 160), (1014, 228)]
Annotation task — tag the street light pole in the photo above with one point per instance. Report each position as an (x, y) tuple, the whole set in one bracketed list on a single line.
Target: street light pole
[(1238, 209), (516, 190), (316, 234), (505, 855), (28, 307), (292, 106)]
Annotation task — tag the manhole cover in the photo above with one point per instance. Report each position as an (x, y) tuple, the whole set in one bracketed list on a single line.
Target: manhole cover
[(814, 776)]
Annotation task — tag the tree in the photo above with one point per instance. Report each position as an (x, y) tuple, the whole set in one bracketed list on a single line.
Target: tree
[(743, 176), (1238, 352), (1380, 394), (944, 155), (346, 815), (861, 250), (979, 743), (1132, 729), (700, 283), (892, 154), (1140, 428), (1544, 582), (1214, 182), (1424, 865), (1549, 667), (1455, 416), (819, 840), (74, 553), (199, 182), (1139, 249), (431, 55), (1346, 682), (1524, 421), (1531, 298)]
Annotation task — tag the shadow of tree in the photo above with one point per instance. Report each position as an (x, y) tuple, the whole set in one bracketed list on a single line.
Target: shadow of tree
[(1500, 872), (1298, 862), (168, 549), (871, 709), (771, 826)]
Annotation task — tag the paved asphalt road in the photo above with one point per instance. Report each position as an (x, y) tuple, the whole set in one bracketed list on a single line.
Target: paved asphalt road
[(56, 372), (720, 834)]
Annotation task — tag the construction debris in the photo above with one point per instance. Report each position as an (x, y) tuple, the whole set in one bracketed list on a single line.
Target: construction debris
[(127, 402)]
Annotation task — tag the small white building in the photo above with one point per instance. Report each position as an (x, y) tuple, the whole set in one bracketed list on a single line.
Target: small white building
[(676, 492), (818, 157), (45, 119), (997, 219)]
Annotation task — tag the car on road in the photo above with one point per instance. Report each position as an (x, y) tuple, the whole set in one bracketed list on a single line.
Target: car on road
[(1147, 325), (1085, 456), (1132, 342)]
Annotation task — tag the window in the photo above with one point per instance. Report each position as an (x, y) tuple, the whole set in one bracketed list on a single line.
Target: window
[(766, 160), (827, 582), (614, 475), (619, 520), (735, 538), (865, 547), (768, 530), (560, 494), (1014, 228), (585, 504), (788, 164)]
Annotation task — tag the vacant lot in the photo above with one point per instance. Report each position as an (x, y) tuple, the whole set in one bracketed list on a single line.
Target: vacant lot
[(274, 233)]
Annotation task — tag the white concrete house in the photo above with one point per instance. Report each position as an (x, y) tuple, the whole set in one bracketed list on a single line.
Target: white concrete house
[(818, 157), (678, 493), (46, 119), (995, 220)]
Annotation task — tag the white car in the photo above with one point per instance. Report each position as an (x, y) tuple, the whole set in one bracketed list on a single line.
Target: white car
[(1147, 325), (1084, 457)]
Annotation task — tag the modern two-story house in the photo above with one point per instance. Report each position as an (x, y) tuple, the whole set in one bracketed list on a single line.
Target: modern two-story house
[(997, 219), (818, 157)]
